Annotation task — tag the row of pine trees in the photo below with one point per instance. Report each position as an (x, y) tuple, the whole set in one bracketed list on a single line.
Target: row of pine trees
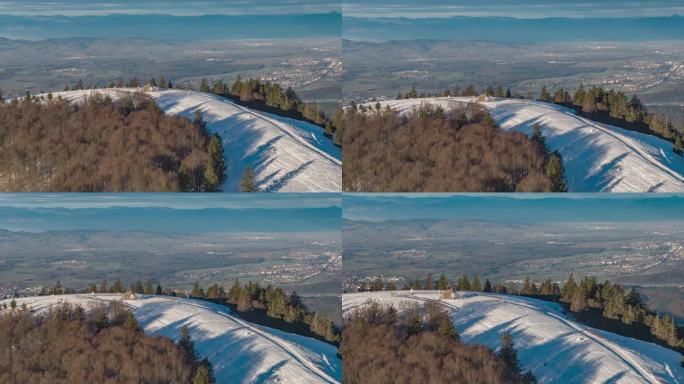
[(255, 92), (274, 301), (617, 105)]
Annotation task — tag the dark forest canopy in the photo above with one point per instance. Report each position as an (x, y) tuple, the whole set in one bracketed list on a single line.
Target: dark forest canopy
[(70, 345), (381, 346), (430, 149), (128, 145)]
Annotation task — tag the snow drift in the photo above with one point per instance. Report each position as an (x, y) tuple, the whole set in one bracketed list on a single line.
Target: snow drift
[(597, 157), (239, 351), (550, 344), (287, 155)]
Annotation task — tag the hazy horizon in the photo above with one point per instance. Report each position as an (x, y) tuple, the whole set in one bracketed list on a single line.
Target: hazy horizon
[(170, 213), (515, 208)]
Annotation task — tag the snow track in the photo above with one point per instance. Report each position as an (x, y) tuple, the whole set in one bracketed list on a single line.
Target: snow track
[(597, 157), (287, 155), (239, 351), (552, 345), (284, 346)]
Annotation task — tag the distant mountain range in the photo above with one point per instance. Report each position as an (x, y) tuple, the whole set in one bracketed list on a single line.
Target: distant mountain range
[(508, 29), (166, 27)]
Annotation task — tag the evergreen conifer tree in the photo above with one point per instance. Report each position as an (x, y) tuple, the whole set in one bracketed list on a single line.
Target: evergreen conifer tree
[(186, 343), (204, 85), (442, 283), (508, 353), (248, 180), (475, 285), (578, 95), (215, 171), (446, 328), (555, 171), (487, 286), (544, 94), (677, 147), (203, 375)]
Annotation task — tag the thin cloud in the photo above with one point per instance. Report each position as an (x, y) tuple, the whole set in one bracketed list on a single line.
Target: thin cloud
[(168, 200), (168, 7), (518, 9)]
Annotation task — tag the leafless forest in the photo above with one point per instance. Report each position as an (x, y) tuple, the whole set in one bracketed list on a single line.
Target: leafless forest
[(127, 145), (460, 150)]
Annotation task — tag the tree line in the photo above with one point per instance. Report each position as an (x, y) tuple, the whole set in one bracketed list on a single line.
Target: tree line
[(67, 344), (630, 112), (456, 91), (420, 346), (432, 149), (274, 301), (608, 300), (284, 101), (101, 144), (248, 297)]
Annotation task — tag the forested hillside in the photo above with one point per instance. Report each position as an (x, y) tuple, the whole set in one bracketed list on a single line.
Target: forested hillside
[(604, 305), (420, 345), (128, 145), (105, 345), (437, 150)]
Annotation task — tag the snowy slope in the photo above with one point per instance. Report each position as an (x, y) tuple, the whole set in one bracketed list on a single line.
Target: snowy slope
[(240, 352), (597, 157), (287, 155), (555, 348)]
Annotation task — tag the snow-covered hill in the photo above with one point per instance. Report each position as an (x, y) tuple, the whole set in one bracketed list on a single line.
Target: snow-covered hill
[(552, 345), (240, 352), (597, 157), (287, 155)]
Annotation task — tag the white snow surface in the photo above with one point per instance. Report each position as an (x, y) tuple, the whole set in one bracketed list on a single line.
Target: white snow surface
[(597, 157), (239, 351), (550, 344), (287, 155)]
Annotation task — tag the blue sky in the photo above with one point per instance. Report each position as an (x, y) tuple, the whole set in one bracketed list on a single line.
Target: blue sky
[(169, 7), (518, 208), (171, 213), (512, 8)]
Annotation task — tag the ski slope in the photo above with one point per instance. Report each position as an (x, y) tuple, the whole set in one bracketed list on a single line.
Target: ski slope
[(550, 344), (239, 351), (597, 157), (287, 155)]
